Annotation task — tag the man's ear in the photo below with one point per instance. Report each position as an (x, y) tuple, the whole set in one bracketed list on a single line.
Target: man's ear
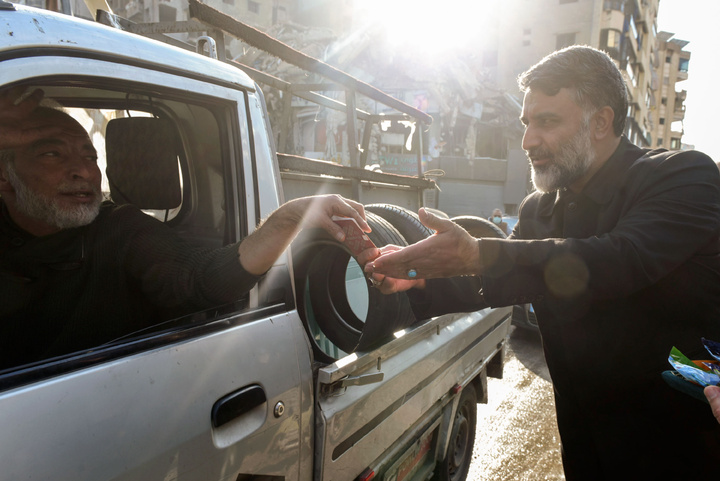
[(602, 123)]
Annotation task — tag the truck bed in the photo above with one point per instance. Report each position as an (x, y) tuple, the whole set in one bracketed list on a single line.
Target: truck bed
[(412, 374)]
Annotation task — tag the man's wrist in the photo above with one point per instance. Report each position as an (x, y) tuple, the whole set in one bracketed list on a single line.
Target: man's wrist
[(479, 264)]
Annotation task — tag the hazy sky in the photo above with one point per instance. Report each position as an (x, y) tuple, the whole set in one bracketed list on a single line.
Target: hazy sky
[(696, 21)]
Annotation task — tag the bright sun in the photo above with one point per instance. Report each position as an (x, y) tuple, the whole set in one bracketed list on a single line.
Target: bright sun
[(429, 26)]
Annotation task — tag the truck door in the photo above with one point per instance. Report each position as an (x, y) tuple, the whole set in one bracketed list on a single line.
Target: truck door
[(217, 394)]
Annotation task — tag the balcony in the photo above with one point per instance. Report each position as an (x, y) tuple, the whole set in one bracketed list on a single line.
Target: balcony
[(678, 112)]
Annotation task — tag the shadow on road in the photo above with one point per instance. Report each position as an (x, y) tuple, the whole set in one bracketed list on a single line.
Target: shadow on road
[(526, 345)]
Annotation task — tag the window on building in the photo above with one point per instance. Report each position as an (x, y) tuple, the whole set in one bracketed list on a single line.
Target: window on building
[(564, 40), (614, 5), (633, 27), (630, 69), (526, 43), (610, 42), (683, 64), (527, 31), (660, 142), (668, 59), (675, 144), (253, 7), (662, 121)]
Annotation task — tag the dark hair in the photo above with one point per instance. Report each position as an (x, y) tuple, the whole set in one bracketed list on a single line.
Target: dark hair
[(590, 74)]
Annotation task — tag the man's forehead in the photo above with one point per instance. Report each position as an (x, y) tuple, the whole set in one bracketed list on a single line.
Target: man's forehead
[(536, 102), (71, 128)]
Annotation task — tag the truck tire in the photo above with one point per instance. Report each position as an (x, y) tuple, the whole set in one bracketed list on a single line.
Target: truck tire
[(404, 220), (458, 457), (478, 227), (335, 324)]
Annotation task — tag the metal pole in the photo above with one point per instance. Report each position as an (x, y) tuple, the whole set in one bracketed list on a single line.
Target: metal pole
[(352, 140)]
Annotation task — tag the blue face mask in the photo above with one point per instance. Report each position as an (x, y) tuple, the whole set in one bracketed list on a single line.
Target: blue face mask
[(497, 219)]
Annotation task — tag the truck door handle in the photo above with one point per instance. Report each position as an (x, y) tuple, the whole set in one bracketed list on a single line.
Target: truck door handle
[(236, 404)]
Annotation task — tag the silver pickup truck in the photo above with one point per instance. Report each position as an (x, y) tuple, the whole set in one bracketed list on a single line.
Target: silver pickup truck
[(255, 390)]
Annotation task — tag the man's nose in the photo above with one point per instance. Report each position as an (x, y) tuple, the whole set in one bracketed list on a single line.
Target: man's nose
[(530, 139), (82, 167)]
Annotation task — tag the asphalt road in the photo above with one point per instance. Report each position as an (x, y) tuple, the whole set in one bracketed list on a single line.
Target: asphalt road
[(517, 436)]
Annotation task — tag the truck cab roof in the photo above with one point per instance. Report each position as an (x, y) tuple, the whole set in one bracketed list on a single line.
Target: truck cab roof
[(29, 31)]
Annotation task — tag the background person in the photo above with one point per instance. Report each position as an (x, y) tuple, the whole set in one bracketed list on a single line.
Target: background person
[(619, 253), (496, 219)]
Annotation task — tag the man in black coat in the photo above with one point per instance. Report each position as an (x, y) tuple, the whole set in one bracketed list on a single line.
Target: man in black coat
[(618, 251)]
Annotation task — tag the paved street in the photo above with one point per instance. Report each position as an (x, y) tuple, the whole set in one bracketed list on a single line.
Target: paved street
[(517, 436)]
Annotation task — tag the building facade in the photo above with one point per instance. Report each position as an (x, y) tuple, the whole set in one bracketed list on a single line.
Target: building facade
[(670, 112), (472, 96)]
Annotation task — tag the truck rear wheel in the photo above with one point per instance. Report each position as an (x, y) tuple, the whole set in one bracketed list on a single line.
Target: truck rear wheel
[(456, 464)]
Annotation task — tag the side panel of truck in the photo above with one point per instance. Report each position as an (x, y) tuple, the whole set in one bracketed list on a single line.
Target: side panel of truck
[(361, 423)]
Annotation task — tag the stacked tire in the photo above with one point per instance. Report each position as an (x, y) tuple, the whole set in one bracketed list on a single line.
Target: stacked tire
[(341, 311)]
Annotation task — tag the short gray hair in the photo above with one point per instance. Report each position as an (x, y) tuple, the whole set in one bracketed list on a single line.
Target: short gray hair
[(591, 75)]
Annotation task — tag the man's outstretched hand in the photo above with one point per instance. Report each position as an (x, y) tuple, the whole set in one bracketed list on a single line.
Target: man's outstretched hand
[(449, 252), (387, 285)]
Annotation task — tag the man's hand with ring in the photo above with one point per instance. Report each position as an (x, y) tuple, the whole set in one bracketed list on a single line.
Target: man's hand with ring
[(450, 252), (386, 285)]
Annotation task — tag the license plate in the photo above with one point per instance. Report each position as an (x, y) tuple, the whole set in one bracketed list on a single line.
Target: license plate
[(413, 459)]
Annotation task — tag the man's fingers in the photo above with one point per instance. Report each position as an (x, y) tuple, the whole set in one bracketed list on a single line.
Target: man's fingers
[(357, 211), (392, 264), (431, 221), (20, 101), (28, 103), (368, 255)]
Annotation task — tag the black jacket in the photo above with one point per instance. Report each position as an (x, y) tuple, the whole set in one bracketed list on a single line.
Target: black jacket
[(617, 274), (86, 286)]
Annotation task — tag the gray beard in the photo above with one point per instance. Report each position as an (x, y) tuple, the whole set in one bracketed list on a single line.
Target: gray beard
[(47, 210), (572, 161)]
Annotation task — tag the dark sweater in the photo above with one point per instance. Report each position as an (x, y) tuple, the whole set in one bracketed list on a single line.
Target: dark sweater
[(86, 286)]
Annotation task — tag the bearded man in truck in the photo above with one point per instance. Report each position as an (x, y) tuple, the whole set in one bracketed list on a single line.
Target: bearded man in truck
[(77, 272)]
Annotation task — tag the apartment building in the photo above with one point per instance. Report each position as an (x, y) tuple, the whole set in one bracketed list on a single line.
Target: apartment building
[(669, 113), (626, 29)]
